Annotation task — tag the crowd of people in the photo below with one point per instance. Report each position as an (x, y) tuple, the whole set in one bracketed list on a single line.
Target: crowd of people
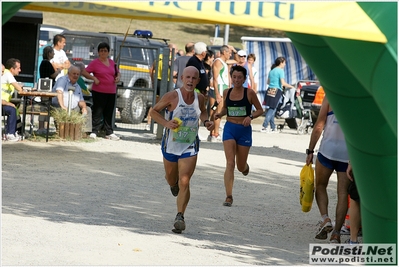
[(208, 86)]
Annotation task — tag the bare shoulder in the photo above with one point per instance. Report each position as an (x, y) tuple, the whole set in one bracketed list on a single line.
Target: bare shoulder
[(167, 100)]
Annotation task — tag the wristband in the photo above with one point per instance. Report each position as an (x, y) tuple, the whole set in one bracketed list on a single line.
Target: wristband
[(205, 121)]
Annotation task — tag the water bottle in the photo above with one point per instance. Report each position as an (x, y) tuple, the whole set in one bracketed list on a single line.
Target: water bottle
[(215, 105)]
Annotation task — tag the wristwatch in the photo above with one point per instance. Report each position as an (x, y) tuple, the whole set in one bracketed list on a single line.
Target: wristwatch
[(308, 151), (251, 117)]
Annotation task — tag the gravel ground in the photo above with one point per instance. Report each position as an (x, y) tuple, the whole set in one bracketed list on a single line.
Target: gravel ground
[(107, 203)]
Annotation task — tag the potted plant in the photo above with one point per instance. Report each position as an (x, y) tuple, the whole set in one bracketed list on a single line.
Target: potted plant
[(68, 126)]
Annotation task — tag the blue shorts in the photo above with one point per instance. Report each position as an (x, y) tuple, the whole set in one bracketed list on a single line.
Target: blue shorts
[(189, 152), (338, 166), (211, 93), (241, 134)]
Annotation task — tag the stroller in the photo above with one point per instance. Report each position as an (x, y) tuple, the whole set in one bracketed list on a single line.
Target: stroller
[(295, 115)]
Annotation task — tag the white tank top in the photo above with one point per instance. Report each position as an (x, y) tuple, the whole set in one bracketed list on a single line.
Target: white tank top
[(223, 77), (176, 142), (333, 145)]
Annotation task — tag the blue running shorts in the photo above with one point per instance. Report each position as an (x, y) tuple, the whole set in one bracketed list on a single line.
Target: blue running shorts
[(241, 134), (189, 152), (338, 166)]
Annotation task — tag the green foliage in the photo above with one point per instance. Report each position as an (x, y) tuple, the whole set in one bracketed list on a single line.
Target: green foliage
[(61, 115)]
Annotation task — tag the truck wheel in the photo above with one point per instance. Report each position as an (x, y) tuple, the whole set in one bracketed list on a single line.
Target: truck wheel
[(135, 109)]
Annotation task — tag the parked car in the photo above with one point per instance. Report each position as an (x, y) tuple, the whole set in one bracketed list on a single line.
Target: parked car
[(136, 56)]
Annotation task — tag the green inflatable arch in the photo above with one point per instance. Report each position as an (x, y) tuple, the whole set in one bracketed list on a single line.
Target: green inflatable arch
[(360, 80)]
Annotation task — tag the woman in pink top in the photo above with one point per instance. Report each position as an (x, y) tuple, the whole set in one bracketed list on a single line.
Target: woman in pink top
[(105, 76)]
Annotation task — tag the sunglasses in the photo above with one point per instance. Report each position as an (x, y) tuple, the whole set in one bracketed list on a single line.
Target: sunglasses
[(242, 56)]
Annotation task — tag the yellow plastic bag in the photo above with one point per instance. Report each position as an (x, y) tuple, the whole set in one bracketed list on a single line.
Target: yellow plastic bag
[(306, 192)]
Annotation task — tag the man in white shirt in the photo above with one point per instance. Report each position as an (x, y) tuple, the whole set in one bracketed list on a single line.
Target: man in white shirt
[(77, 102), (60, 59)]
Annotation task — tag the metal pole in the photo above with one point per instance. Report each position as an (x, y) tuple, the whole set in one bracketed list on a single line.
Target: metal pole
[(71, 89), (217, 30), (226, 34)]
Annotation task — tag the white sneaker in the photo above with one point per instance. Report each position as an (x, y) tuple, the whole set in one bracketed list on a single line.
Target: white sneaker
[(264, 130), (112, 137), (273, 131), (18, 136), (148, 127), (216, 139), (12, 138), (93, 135)]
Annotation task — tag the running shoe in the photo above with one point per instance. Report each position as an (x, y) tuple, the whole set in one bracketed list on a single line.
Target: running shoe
[(324, 229), (228, 202), (175, 189), (179, 225), (335, 238)]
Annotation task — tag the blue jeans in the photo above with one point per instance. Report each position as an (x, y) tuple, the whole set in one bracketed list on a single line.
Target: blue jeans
[(269, 117), (11, 125)]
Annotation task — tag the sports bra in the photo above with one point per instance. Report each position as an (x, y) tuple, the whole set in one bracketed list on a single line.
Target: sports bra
[(238, 108)]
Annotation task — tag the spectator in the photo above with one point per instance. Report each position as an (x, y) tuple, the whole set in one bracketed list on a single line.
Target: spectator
[(8, 86), (273, 94), (251, 60), (200, 50), (77, 102), (180, 53), (180, 143), (221, 81), (240, 57), (105, 76), (2, 69), (208, 61), (333, 155), (237, 132), (46, 70), (60, 60), (180, 64)]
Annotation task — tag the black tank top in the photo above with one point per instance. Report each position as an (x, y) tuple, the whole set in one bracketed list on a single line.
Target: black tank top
[(240, 108)]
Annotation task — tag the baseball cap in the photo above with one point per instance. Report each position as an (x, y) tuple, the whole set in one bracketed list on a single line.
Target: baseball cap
[(200, 47), (241, 53)]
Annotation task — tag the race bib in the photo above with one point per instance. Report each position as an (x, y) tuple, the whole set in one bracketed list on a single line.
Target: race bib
[(272, 92), (185, 134), (237, 111)]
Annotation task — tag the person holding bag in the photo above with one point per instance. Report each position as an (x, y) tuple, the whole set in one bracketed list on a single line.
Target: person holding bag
[(332, 155), (273, 93)]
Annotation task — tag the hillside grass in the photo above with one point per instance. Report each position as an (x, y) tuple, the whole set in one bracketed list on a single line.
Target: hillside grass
[(177, 33)]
